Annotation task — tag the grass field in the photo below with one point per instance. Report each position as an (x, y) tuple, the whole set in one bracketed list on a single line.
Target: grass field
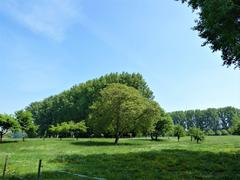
[(215, 158)]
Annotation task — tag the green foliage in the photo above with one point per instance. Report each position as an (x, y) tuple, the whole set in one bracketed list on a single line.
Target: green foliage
[(25, 121), (198, 135), (219, 25), (68, 129), (31, 131), (77, 129), (210, 132), (179, 131), (74, 104), (224, 132), (235, 128), (191, 132), (163, 125), (215, 119), (120, 110), (218, 133), (7, 123)]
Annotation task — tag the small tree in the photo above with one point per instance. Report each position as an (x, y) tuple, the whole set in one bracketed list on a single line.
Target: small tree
[(32, 131), (198, 135), (191, 132), (25, 121), (77, 128), (163, 126), (179, 131), (7, 123), (67, 129)]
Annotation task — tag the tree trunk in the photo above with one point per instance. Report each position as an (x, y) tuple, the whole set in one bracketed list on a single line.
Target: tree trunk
[(1, 137), (178, 138), (23, 138), (197, 141), (191, 138), (116, 138), (156, 137), (152, 136)]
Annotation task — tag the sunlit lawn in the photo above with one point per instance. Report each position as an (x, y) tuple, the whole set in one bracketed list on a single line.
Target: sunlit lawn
[(215, 158)]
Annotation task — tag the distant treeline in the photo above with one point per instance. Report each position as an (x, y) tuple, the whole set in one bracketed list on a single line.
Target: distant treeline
[(209, 119), (74, 104)]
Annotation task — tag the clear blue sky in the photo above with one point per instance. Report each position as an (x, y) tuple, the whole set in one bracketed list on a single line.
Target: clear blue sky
[(47, 46)]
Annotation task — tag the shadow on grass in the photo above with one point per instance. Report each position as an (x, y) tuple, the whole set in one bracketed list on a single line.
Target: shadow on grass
[(100, 143), (165, 164), (7, 141), (149, 140)]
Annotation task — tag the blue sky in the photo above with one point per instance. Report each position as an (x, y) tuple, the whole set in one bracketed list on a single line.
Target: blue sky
[(47, 46)]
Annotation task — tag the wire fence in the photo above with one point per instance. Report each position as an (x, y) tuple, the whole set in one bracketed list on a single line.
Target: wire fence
[(9, 173)]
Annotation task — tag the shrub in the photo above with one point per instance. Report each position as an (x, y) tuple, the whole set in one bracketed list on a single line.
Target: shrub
[(218, 133), (224, 132), (210, 132)]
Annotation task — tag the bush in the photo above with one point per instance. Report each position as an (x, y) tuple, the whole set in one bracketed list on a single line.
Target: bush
[(230, 131), (237, 129), (224, 132), (218, 133), (210, 133)]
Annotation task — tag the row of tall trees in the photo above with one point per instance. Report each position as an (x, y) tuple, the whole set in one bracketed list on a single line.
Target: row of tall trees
[(209, 119), (75, 104)]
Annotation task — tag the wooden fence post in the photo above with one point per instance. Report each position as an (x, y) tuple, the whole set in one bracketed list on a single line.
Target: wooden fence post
[(39, 169), (5, 166)]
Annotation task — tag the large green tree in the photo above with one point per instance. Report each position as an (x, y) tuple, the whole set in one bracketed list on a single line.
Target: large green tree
[(121, 109), (7, 123), (219, 25)]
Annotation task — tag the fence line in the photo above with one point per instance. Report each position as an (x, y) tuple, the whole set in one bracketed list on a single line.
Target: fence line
[(81, 175), (39, 173)]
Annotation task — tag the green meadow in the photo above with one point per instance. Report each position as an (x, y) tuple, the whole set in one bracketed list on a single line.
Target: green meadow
[(218, 157)]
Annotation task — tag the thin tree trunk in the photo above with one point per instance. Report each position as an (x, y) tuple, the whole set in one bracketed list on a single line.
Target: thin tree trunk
[(116, 138), (191, 138), (23, 138), (1, 137), (178, 138), (152, 136)]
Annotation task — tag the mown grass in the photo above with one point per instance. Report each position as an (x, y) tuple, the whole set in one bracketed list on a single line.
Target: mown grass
[(215, 158)]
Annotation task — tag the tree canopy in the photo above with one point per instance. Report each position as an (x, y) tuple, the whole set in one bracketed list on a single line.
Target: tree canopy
[(162, 126), (209, 119), (7, 123), (120, 110), (179, 131), (68, 129), (219, 25), (25, 121), (74, 104)]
